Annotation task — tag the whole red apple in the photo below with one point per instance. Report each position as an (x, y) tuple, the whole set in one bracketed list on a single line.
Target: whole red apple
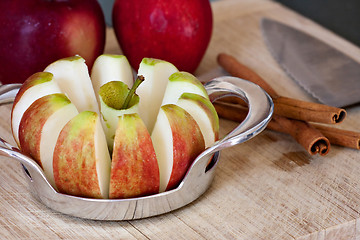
[(172, 30), (34, 33)]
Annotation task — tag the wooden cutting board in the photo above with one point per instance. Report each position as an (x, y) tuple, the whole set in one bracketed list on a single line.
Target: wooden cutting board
[(266, 188)]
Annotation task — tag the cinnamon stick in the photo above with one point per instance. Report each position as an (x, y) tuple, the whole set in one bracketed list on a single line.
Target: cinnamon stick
[(307, 111), (301, 110), (340, 137), (310, 138), (336, 136), (287, 107)]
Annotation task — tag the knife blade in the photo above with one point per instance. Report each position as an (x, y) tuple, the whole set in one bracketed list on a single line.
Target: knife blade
[(326, 73)]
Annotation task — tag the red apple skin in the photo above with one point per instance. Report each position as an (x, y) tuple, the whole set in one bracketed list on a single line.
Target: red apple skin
[(35, 33), (134, 169), (33, 120), (74, 162), (188, 142), (171, 30)]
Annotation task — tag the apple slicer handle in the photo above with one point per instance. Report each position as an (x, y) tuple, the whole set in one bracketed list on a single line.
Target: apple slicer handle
[(259, 103), (8, 92), (33, 170)]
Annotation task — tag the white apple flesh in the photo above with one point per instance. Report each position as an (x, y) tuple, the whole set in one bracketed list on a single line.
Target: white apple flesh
[(182, 82), (72, 76), (151, 91), (109, 68)]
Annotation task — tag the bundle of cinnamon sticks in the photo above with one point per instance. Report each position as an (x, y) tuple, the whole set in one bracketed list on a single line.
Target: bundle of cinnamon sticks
[(304, 121)]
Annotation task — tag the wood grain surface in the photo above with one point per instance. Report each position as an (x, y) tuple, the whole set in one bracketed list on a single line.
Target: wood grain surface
[(266, 188)]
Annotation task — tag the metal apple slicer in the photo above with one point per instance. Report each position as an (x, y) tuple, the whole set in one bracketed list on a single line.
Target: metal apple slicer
[(196, 181)]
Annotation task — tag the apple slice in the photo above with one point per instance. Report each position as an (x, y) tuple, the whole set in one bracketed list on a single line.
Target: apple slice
[(72, 76), (108, 67), (40, 127), (35, 87), (177, 141), (81, 158), (151, 91), (204, 113), (112, 96), (134, 169), (182, 82)]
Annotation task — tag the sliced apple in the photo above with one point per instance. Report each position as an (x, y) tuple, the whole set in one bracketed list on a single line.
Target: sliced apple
[(182, 82), (35, 87), (204, 113), (81, 158), (151, 91), (40, 127), (72, 76), (109, 67), (134, 169), (177, 141), (153, 136), (112, 96)]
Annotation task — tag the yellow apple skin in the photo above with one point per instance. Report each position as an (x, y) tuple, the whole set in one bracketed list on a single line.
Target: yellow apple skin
[(182, 82), (33, 80), (36, 86), (134, 169), (75, 159), (33, 120)]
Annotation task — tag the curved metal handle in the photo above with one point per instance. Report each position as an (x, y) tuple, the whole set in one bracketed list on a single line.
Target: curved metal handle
[(8, 150), (260, 105), (201, 172), (35, 172), (8, 92)]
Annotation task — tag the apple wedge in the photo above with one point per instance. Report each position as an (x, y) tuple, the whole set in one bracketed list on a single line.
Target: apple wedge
[(134, 169), (110, 67), (81, 158), (177, 141), (72, 76), (40, 127), (182, 82), (151, 91), (35, 87), (112, 96), (204, 113)]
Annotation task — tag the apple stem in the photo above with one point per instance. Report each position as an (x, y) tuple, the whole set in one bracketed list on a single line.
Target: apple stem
[(131, 93)]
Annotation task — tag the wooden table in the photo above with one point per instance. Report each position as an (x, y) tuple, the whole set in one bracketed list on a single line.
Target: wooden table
[(266, 188)]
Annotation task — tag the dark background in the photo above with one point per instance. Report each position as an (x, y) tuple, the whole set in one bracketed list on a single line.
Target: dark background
[(340, 16)]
